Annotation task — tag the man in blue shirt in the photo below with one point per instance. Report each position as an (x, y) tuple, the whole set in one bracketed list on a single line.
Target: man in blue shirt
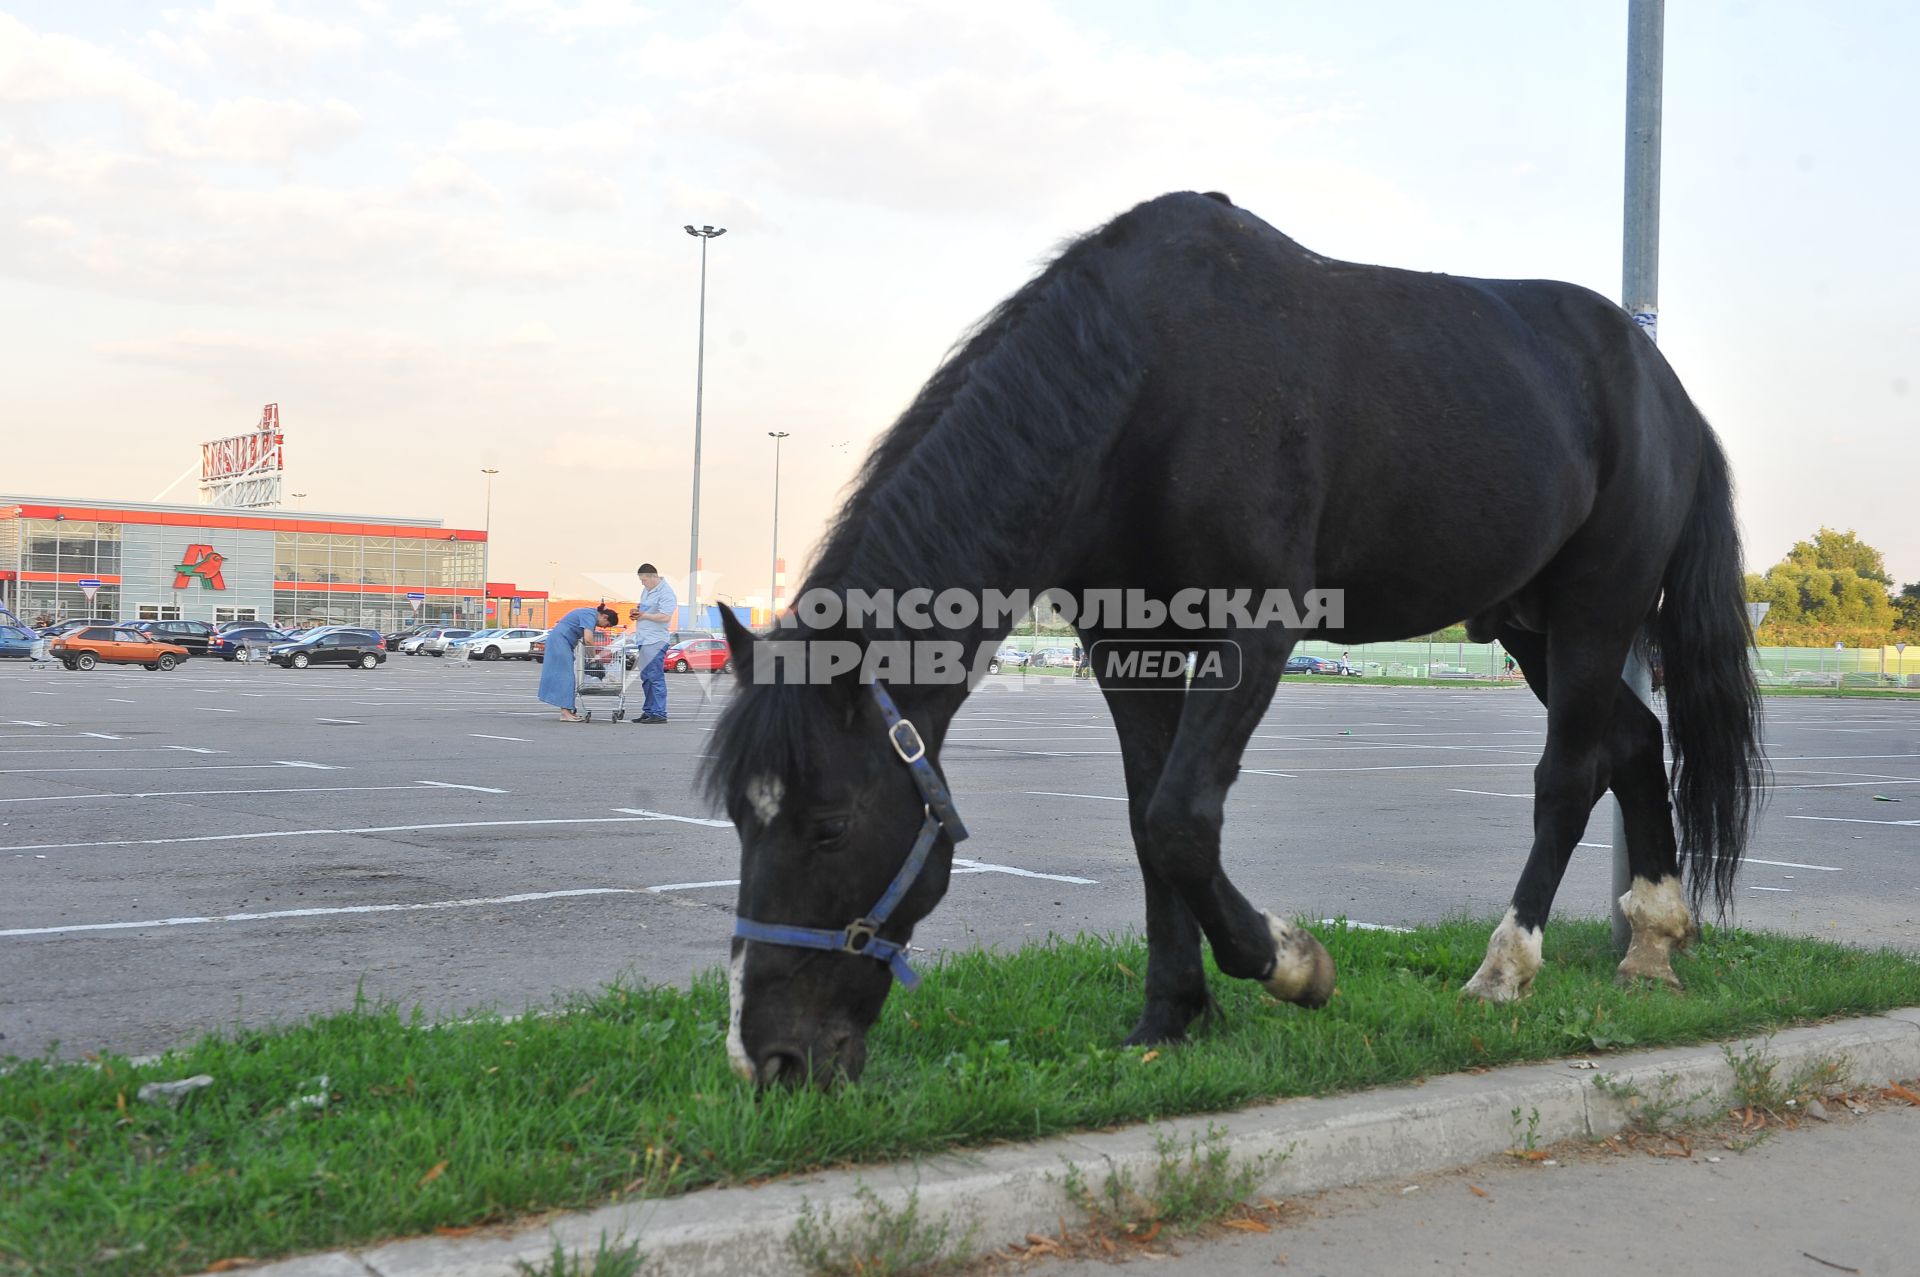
[(652, 623)]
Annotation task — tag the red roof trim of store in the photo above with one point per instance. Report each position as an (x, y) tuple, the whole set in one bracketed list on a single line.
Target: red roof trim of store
[(64, 578), (106, 514)]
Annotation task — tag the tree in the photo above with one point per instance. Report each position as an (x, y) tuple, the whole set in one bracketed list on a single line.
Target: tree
[(1835, 551), (1830, 589), (1907, 607)]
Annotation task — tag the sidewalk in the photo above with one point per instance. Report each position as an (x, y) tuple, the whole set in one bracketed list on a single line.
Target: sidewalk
[(1313, 1145)]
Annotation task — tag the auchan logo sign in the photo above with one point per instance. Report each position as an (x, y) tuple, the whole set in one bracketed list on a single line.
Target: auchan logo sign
[(201, 563)]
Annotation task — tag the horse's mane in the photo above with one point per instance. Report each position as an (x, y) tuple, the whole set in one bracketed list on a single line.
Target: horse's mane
[(993, 458)]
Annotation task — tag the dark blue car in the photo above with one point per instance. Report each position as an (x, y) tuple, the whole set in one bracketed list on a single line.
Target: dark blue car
[(16, 640), (227, 644)]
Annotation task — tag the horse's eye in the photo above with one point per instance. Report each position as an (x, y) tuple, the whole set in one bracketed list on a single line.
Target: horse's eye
[(829, 831)]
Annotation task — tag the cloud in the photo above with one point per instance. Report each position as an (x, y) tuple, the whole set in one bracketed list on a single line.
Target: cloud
[(252, 31), (572, 20), (611, 133), (449, 177), (924, 107), (428, 28), (46, 70), (573, 190)]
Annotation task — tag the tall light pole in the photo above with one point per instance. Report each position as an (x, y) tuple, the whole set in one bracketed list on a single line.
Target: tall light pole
[(553, 583), (703, 234), (486, 547), (773, 581), (1639, 293)]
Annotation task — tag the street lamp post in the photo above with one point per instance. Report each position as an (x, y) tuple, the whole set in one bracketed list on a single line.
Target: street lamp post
[(553, 583), (703, 234), (773, 581), (486, 547)]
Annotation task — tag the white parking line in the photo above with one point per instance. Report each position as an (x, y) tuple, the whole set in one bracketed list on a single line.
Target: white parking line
[(208, 709), (1856, 820), (470, 903), (483, 736), (192, 767), (961, 866), (311, 833), (1751, 887), (1488, 793), (206, 793), (645, 814), (694, 886), (478, 789), (347, 722), (1049, 793), (1791, 864)]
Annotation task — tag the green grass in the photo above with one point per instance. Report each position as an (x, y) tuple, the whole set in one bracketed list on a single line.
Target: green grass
[(629, 1093)]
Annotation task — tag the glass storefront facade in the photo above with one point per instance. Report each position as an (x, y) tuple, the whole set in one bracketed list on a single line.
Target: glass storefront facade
[(217, 564)]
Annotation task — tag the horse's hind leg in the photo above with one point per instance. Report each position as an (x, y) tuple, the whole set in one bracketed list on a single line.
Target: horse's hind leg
[(1655, 903), (1176, 980), (1572, 774)]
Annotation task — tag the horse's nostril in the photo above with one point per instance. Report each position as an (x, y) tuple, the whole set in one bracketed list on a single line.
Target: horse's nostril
[(782, 1066)]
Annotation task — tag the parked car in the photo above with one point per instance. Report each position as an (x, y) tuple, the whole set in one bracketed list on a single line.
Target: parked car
[(436, 643), (537, 650), (255, 624), (1311, 665), (115, 645), (412, 646), (227, 644), (495, 645), (1057, 657), (192, 635), (395, 639), (704, 654), (67, 627), (17, 640), (1008, 658), (342, 647)]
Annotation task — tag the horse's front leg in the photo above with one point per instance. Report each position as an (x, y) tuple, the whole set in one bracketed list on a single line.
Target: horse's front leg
[(1176, 995), (1183, 822)]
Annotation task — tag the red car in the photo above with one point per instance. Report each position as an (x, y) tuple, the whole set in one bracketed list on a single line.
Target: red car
[(705, 654)]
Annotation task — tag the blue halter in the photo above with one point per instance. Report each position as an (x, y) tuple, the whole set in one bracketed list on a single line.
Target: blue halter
[(862, 936)]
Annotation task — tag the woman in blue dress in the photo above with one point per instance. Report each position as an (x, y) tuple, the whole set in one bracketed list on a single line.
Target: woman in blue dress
[(556, 667)]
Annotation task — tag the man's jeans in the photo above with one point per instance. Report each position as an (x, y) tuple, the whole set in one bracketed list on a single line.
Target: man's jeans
[(653, 679)]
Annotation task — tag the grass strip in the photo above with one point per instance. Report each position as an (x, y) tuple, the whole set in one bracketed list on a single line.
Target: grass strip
[(629, 1093)]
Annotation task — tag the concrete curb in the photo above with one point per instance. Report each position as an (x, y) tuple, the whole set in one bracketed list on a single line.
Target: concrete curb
[(1309, 1145)]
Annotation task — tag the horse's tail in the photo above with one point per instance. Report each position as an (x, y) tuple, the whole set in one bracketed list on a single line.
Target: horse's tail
[(1713, 705)]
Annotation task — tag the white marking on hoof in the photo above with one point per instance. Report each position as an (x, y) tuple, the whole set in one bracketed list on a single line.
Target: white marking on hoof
[(736, 1000), (764, 796), (1302, 967), (1513, 959), (1662, 924)]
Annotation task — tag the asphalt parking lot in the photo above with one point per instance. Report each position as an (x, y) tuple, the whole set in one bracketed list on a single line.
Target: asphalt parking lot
[(232, 844)]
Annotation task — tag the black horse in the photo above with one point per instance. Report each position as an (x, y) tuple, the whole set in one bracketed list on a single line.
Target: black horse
[(1186, 398)]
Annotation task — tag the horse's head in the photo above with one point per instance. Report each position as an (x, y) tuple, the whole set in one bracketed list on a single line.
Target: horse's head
[(846, 841)]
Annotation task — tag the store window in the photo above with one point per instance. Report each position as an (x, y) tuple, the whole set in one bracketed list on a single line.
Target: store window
[(221, 615), (159, 612)]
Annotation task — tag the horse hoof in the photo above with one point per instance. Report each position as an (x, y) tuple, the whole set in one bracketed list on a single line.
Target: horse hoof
[(1513, 960), (1302, 970), (1495, 990), (1631, 971)]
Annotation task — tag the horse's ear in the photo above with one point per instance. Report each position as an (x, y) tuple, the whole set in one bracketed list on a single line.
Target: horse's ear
[(740, 641)]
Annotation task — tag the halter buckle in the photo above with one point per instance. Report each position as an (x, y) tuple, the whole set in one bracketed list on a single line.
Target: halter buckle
[(858, 936), (910, 747)]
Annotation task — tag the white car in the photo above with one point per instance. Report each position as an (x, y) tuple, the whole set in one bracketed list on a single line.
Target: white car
[(496, 645), (433, 642)]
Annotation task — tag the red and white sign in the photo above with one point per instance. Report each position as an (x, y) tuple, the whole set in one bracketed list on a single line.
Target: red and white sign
[(245, 454)]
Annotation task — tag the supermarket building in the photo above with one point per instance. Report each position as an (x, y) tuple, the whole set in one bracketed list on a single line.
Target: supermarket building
[(128, 561)]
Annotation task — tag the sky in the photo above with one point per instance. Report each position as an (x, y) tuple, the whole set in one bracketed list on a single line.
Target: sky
[(447, 237)]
